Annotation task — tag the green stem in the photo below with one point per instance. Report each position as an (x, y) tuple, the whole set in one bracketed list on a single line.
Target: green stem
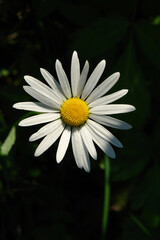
[(106, 197)]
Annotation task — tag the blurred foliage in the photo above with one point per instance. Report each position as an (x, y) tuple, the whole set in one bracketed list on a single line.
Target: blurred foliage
[(40, 199), (8, 143)]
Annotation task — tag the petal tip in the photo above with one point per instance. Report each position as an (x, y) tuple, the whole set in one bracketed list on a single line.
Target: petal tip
[(37, 154), (75, 52), (133, 108), (120, 145), (126, 91), (59, 157), (57, 61), (118, 74), (31, 139), (26, 77), (129, 127), (24, 87), (14, 105), (58, 160), (103, 62), (42, 70), (114, 156)]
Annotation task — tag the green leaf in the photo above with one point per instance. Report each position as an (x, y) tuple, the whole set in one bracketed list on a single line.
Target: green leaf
[(45, 8), (140, 225), (133, 159), (9, 142), (148, 38), (151, 207), (146, 196), (140, 192), (156, 20), (4, 72), (133, 79), (35, 172), (74, 12), (133, 229), (100, 36)]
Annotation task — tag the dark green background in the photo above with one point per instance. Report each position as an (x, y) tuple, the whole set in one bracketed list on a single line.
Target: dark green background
[(41, 200)]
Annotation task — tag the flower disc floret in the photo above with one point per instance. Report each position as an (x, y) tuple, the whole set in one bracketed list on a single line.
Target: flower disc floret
[(74, 112)]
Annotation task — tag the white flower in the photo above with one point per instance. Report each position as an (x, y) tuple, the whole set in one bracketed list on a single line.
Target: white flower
[(75, 112)]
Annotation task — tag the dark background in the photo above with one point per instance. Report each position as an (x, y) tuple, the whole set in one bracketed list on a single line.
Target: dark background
[(41, 200)]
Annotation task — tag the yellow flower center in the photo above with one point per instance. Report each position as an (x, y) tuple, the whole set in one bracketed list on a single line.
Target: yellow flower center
[(74, 112)]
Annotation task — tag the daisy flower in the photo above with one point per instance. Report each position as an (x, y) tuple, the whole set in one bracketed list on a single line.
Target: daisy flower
[(76, 112)]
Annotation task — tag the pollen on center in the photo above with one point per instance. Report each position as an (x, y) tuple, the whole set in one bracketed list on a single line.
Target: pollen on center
[(74, 112)]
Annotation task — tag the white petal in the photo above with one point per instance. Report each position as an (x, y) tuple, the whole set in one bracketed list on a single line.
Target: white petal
[(104, 133), (83, 79), (109, 98), (75, 73), (103, 144), (48, 140), (63, 79), (33, 106), (63, 144), (103, 88), (38, 119), (93, 79), (48, 77), (111, 122), (42, 97), (35, 83), (86, 160), (42, 88), (53, 83), (76, 147), (79, 150), (112, 109), (45, 130), (86, 137)]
